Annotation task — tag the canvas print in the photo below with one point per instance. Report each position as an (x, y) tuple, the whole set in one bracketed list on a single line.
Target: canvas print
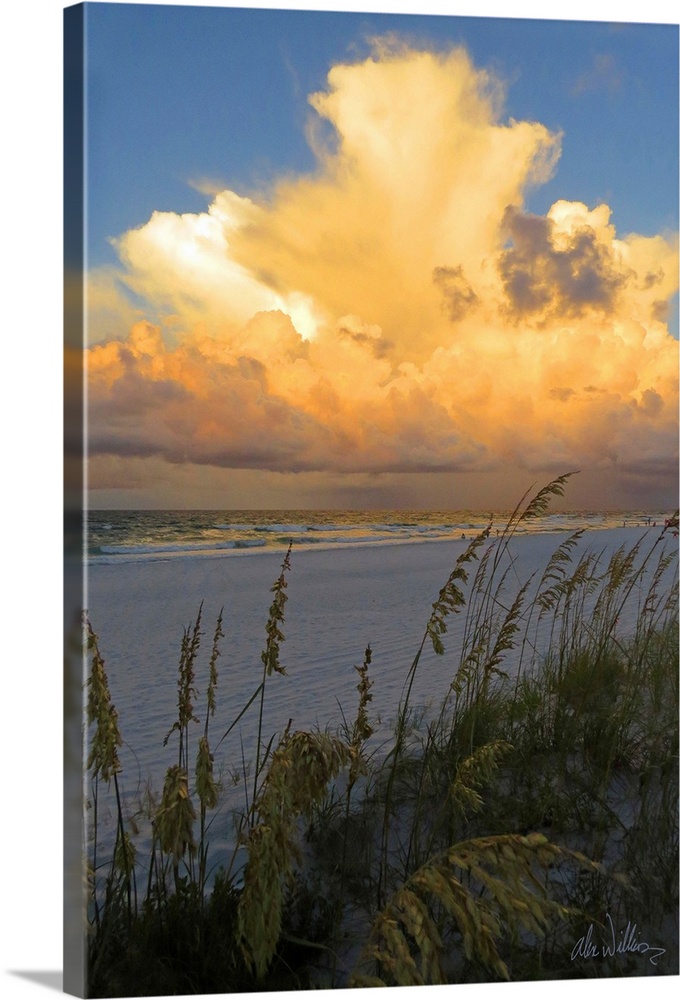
[(371, 344)]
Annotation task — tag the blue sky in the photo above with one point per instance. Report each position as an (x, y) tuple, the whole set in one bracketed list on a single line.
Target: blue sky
[(180, 95)]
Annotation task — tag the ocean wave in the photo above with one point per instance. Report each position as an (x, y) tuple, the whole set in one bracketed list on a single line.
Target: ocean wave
[(158, 535), (173, 548)]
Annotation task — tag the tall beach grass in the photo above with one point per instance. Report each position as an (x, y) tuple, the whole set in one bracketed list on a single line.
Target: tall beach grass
[(479, 842)]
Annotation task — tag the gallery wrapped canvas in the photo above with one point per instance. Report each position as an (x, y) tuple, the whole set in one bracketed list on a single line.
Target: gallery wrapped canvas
[(371, 619)]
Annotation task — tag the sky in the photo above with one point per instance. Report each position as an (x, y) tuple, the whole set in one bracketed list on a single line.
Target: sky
[(365, 260)]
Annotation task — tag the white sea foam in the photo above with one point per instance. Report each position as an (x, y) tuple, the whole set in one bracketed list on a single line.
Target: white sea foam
[(137, 535)]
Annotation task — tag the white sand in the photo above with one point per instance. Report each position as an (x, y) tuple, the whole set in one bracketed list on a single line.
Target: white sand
[(338, 601)]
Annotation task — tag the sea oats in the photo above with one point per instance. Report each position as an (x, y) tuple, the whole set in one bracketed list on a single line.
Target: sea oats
[(101, 713), (175, 817), (206, 787), (271, 652), (502, 896), (298, 775)]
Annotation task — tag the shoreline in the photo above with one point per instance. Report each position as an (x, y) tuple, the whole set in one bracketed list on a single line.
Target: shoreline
[(236, 551)]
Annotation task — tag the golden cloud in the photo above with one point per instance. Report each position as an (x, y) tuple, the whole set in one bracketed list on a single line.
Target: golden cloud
[(397, 310)]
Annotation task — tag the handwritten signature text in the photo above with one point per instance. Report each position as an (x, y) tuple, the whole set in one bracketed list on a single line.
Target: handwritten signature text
[(611, 942)]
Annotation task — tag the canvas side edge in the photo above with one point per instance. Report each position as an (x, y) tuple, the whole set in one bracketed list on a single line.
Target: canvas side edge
[(74, 943)]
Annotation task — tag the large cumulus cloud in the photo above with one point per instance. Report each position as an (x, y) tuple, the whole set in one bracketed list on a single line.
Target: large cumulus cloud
[(398, 310)]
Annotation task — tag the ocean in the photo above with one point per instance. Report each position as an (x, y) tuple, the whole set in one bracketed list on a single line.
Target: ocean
[(116, 536)]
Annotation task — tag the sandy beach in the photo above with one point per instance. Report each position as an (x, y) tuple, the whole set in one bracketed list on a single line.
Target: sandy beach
[(338, 602)]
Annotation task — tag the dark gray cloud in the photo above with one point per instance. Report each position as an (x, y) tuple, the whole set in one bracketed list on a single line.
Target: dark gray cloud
[(540, 276), (653, 278), (661, 310), (459, 297), (651, 403), (380, 346)]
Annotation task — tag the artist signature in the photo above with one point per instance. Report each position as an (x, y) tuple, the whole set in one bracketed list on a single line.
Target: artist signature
[(613, 942)]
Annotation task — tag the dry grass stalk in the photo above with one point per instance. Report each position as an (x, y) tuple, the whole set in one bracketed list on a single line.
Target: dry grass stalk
[(191, 641), (212, 671), (175, 817), (474, 772), (362, 729), (271, 662), (125, 855), (271, 652), (451, 598), (206, 786), (504, 894), (298, 775), (540, 503), (101, 712)]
